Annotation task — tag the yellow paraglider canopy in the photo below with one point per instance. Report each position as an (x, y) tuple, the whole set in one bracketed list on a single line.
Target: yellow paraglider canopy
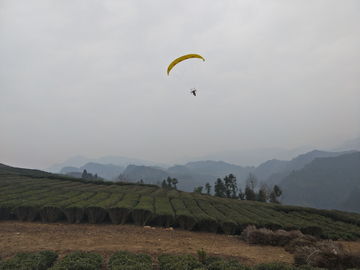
[(182, 58)]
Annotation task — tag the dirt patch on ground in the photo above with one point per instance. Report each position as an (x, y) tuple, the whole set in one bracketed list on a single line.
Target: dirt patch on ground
[(105, 239), (16, 237)]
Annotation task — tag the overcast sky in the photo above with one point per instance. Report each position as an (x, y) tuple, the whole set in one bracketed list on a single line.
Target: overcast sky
[(89, 77)]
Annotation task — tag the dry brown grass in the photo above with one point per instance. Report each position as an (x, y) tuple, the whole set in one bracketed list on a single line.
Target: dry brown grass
[(326, 254)]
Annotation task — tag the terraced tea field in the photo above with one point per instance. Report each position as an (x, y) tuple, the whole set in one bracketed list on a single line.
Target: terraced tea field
[(51, 198)]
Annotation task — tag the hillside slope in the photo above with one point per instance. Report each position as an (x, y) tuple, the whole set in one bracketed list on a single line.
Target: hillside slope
[(27, 195), (323, 183)]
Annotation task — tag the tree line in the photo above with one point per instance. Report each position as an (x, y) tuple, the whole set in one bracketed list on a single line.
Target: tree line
[(254, 190)]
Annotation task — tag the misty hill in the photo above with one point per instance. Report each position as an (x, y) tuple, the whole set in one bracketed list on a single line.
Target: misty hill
[(81, 161), (107, 171), (352, 203), (286, 167), (145, 173), (218, 168), (324, 183), (348, 145)]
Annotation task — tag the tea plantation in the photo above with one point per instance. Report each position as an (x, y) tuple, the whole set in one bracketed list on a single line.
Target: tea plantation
[(29, 195)]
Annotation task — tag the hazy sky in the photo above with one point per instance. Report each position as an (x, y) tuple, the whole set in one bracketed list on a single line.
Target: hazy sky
[(89, 77)]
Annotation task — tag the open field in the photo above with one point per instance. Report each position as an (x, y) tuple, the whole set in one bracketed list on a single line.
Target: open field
[(106, 239)]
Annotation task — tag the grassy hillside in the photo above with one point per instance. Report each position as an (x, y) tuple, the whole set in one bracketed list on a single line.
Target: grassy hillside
[(28, 195)]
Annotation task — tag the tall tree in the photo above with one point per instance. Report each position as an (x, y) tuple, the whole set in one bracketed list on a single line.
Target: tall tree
[(208, 188), (174, 182), (250, 187), (250, 194), (219, 188), (227, 183), (233, 186), (275, 194)]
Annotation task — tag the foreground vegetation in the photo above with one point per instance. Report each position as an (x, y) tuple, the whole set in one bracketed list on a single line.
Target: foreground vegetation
[(28, 195), (124, 260)]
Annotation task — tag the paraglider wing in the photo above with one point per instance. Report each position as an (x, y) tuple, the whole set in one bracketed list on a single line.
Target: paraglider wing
[(182, 58)]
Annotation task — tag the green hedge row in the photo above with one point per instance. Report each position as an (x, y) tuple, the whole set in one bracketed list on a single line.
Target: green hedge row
[(164, 213), (228, 225), (241, 220), (204, 221), (178, 262), (119, 213), (97, 212), (144, 210), (53, 211), (183, 216), (76, 211), (124, 260), (335, 215), (80, 261), (30, 261), (30, 210)]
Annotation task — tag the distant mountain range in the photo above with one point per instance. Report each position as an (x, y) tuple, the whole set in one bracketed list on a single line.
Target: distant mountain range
[(325, 183)]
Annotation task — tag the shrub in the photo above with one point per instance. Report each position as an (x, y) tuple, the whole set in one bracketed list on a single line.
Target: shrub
[(201, 255), (298, 243), (97, 212), (278, 238), (164, 213), (29, 210), (241, 220), (183, 216), (173, 194), (228, 225), (125, 260), (326, 254), (205, 222), (144, 210), (120, 212), (273, 266), (79, 261), (180, 262), (30, 261), (54, 210), (76, 211)]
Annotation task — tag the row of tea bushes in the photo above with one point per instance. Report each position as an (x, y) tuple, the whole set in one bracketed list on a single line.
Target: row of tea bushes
[(119, 213), (30, 261), (124, 260), (52, 199), (76, 212), (183, 216)]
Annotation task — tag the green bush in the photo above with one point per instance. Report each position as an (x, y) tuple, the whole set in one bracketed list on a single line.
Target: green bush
[(144, 210), (183, 216), (124, 260), (30, 261), (29, 210), (120, 212), (80, 261), (205, 222), (241, 220), (97, 212), (164, 213), (180, 262), (228, 225), (54, 210), (76, 211), (273, 266)]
